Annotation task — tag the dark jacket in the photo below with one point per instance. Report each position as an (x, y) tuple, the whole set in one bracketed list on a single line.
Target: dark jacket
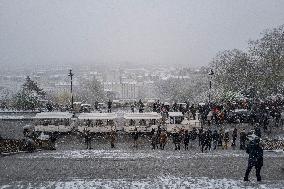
[(135, 135), (186, 138), (235, 134), (176, 138), (255, 154), (215, 136)]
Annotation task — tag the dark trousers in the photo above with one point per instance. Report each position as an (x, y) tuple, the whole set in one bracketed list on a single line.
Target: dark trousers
[(186, 146), (208, 145), (215, 143), (257, 172), (202, 147), (234, 142), (88, 143), (177, 146), (154, 146), (162, 145), (242, 145)]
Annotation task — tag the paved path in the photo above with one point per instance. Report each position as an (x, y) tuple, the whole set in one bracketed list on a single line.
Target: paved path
[(143, 167)]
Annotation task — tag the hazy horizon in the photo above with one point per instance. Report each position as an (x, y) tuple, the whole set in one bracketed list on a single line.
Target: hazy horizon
[(161, 32)]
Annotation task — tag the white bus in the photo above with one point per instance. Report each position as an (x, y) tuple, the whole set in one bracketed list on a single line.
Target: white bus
[(61, 122), (143, 122), (97, 122), (177, 121)]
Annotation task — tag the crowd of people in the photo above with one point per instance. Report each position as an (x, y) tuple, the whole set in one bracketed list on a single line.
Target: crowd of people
[(207, 140)]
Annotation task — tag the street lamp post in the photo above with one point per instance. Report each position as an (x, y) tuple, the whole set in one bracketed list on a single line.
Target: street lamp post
[(210, 85), (71, 88)]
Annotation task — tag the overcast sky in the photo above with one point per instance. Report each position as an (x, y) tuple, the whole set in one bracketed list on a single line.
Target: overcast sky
[(135, 31)]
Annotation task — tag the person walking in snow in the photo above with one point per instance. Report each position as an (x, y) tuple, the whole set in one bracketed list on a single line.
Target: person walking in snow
[(176, 140), (226, 140), (112, 138), (154, 140), (88, 139), (234, 137), (221, 137), (186, 140), (255, 152), (203, 140), (109, 105), (141, 106), (163, 139), (215, 138), (208, 139)]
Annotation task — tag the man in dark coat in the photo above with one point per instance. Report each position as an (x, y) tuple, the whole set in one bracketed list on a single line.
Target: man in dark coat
[(203, 140), (88, 139), (176, 140), (200, 132), (215, 138), (255, 152), (193, 135), (112, 138), (109, 105), (186, 140), (208, 139), (141, 106), (234, 136), (257, 131)]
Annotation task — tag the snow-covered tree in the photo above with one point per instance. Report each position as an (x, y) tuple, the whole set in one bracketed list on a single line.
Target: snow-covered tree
[(268, 55), (233, 70), (29, 97), (258, 72)]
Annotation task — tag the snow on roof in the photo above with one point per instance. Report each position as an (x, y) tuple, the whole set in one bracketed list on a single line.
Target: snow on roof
[(77, 102), (53, 115), (151, 101), (6, 117), (240, 110), (97, 116), (146, 115), (175, 114), (86, 105)]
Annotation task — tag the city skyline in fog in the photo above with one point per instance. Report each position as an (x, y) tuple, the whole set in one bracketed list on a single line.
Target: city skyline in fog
[(128, 32)]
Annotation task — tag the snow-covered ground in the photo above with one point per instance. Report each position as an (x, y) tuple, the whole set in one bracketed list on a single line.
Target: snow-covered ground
[(142, 154), (132, 168), (159, 182)]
